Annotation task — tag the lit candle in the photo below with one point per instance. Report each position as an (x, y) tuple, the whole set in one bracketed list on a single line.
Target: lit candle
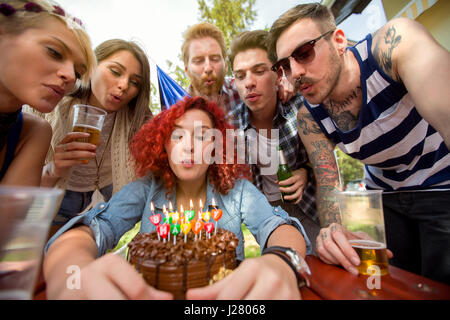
[(197, 227), (155, 219), (186, 227), (175, 229), (163, 230), (190, 214), (200, 217), (167, 219), (209, 228), (152, 207), (216, 214)]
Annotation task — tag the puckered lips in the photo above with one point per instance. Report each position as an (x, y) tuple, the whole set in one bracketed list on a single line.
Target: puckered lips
[(187, 163), (57, 91), (252, 97), (116, 98)]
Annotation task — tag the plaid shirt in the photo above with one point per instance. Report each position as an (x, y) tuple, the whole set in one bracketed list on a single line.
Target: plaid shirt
[(286, 122)]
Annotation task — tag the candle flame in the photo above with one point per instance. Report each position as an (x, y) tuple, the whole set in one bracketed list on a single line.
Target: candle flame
[(201, 204), (190, 204), (170, 206), (181, 208), (164, 208), (213, 202), (152, 207)]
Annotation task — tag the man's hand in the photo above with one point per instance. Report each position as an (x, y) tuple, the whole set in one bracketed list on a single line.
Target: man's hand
[(296, 185), (266, 277), (333, 247), (285, 89)]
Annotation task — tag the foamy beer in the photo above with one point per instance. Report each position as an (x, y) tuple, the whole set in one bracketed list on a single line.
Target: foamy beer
[(362, 216), (90, 120)]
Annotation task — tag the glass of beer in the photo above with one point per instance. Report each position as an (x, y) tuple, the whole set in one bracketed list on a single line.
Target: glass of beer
[(362, 217), (26, 214), (90, 120)]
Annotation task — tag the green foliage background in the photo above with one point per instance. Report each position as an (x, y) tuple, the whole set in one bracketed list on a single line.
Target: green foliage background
[(349, 168)]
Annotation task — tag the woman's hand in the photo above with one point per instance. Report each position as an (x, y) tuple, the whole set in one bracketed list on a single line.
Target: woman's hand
[(69, 153), (110, 278), (294, 185), (266, 277)]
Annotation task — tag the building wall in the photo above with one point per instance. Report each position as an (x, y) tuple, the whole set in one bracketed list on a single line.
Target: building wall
[(436, 19)]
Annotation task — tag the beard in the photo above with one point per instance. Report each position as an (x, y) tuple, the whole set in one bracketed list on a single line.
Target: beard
[(200, 87), (329, 82)]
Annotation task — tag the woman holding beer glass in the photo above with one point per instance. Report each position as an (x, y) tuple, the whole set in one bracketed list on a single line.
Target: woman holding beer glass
[(90, 172), (43, 53)]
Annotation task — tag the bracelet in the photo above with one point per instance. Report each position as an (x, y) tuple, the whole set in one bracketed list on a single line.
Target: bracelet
[(287, 255), (299, 280)]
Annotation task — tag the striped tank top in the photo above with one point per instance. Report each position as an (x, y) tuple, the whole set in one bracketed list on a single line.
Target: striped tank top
[(400, 150)]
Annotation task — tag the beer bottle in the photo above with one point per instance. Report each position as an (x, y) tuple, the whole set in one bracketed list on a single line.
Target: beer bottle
[(284, 171)]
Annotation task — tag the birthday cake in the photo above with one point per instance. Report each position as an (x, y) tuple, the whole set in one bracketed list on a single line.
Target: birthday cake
[(187, 262)]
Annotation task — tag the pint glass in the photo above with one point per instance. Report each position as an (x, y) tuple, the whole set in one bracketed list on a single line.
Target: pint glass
[(90, 120), (362, 216), (25, 217)]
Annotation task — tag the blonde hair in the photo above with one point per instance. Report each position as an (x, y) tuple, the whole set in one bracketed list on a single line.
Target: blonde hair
[(32, 14), (200, 31)]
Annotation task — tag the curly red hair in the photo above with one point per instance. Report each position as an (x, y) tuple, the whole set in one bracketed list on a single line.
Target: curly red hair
[(151, 158)]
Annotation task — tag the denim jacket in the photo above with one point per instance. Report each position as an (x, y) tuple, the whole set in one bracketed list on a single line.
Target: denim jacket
[(244, 203)]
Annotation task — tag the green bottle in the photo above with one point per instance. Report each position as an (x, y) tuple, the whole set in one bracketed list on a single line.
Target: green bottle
[(284, 172)]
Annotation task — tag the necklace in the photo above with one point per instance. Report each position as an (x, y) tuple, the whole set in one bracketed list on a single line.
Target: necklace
[(98, 164)]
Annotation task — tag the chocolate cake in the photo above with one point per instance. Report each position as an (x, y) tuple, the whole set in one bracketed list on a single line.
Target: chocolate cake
[(176, 268)]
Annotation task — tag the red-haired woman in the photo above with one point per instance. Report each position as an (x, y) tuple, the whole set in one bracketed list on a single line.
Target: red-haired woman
[(169, 152)]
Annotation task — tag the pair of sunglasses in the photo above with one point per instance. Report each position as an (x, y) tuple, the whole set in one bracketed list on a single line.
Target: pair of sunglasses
[(302, 54)]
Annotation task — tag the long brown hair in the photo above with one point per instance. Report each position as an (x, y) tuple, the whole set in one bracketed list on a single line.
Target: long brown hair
[(139, 107)]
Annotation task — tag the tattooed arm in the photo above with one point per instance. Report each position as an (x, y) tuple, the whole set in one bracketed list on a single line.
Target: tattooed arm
[(408, 53), (332, 244), (321, 155)]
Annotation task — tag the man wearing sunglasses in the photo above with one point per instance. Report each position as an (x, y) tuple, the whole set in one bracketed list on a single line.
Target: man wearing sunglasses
[(386, 102), (259, 113)]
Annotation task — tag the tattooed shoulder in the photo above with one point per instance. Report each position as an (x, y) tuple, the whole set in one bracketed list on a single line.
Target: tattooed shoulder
[(386, 41), (307, 124)]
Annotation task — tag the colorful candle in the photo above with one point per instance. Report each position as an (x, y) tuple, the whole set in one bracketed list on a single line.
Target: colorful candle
[(190, 214), (200, 217), (186, 227), (175, 229), (209, 228), (197, 227), (163, 230), (216, 214)]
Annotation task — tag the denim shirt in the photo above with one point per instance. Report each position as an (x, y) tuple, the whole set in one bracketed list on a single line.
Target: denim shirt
[(244, 203)]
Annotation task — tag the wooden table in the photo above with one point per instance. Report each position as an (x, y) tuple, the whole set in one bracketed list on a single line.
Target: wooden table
[(334, 283), (330, 282)]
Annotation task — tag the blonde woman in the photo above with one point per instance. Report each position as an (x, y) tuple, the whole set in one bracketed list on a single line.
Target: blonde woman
[(43, 53), (120, 85)]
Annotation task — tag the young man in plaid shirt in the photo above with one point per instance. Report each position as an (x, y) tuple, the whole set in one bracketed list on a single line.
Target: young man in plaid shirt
[(261, 111), (203, 52)]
